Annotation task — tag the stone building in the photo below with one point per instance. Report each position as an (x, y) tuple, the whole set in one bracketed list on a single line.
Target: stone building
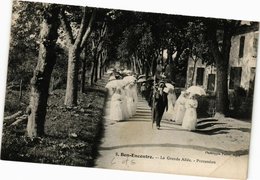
[(242, 63)]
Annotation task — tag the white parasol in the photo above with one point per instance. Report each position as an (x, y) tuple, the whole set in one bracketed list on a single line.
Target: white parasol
[(121, 83), (112, 84), (169, 86), (110, 71), (129, 79), (127, 71), (196, 90), (141, 76), (141, 80), (111, 78)]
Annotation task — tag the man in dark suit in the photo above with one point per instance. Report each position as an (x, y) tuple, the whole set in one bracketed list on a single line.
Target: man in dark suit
[(160, 104)]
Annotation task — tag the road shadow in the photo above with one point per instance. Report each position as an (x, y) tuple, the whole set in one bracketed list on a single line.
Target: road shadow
[(214, 131), (207, 120), (207, 125), (137, 120), (244, 129)]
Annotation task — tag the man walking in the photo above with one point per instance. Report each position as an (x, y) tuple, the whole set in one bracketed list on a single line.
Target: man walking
[(160, 104)]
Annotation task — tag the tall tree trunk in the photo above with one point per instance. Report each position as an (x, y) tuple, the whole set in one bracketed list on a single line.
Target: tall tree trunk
[(21, 90), (222, 62), (91, 78), (42, 74), (134, 64), (83, 75), (96, 68), (147, 69), (75, 48), (71, 95), (154, 64), (222, 88), (171, 64), (193, 72), (100, 67), (99, 70), (51, 88), (139, 66)]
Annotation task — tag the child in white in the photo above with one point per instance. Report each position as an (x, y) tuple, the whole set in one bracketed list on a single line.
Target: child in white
[(190, 116)]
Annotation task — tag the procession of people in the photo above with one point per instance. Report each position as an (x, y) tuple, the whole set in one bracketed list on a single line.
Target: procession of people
[(122, 95), (123, 88)]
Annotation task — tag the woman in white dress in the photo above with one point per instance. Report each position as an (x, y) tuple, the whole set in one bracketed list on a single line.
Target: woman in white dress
[(169, 115), (190, 116), (116, 113), (179, 108), (110, 85), (126, 113), (130, 98)]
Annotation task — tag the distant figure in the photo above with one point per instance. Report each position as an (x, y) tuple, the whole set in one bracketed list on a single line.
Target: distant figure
[(190, 116), (160, 104), (116, 113), (143, 89), (179, 108), (159, 73)]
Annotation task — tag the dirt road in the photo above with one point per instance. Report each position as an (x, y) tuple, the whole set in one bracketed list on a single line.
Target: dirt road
[(219, 148)]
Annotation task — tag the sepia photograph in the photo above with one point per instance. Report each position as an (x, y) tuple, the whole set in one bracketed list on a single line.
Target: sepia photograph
[(115, 89)]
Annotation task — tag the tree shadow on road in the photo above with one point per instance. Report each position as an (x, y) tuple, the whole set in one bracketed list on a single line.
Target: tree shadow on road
[(135, 120), (212, 127), (214, 131), (207, 120), (207, 125)]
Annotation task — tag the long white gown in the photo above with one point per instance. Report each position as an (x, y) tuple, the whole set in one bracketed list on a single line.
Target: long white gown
[(116, 113), (179, 109), (126, 114), (130, 99), (190, 116), (169, 115)]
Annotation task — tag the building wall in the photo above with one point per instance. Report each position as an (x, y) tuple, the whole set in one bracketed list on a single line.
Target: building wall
[(208, 70), (249, 58), (247, 62)]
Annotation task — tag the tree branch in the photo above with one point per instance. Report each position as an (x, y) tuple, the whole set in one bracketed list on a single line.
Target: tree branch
[(82, 28), (212, 40), (66, 26), (89, 28), (103, 29)]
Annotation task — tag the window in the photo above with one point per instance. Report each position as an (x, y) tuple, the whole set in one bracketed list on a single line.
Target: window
[(235, 77), (255, 44), (252, 79), (211, 82), (241, 46), (200, 76)]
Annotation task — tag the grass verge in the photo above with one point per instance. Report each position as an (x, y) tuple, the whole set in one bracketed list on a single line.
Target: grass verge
[(72, 134)]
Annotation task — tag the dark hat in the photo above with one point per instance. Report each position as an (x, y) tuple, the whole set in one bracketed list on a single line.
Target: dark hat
[(162, 83)]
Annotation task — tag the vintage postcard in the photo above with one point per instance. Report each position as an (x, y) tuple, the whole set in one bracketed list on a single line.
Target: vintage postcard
[(129, 90)]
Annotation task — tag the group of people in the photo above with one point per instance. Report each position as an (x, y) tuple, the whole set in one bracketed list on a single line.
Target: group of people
[(181, 110), (122, 96)]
